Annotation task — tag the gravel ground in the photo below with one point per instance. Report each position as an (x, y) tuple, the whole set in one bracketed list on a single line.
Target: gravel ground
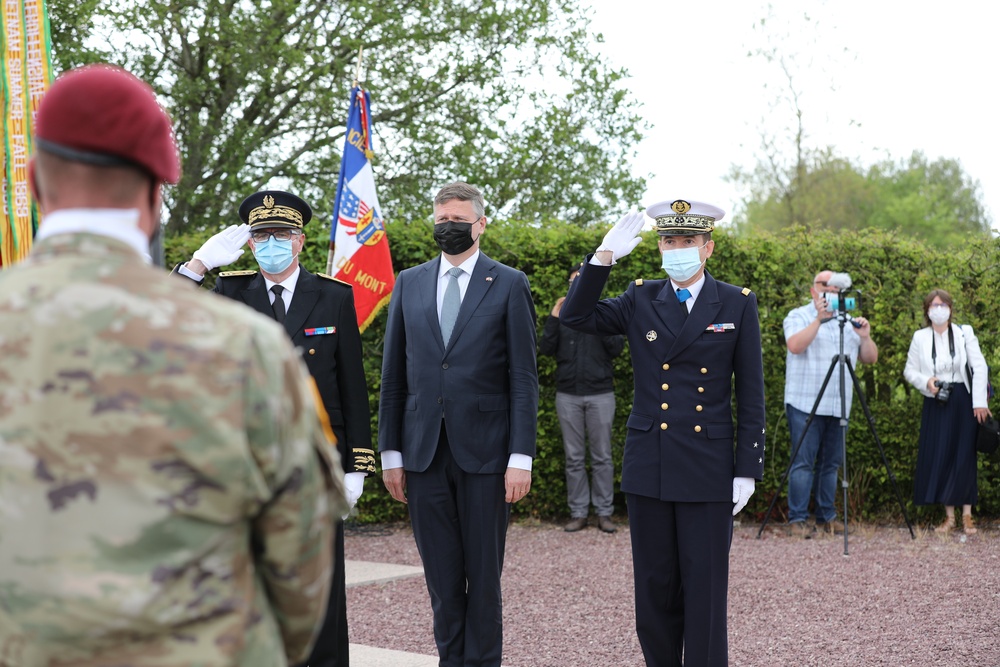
[(568, 598)]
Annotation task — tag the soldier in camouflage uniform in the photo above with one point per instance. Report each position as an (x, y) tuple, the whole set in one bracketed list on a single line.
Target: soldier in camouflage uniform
[(167, 489)]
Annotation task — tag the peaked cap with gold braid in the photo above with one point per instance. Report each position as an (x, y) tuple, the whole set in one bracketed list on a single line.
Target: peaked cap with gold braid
[(684, 217), (274, 208)]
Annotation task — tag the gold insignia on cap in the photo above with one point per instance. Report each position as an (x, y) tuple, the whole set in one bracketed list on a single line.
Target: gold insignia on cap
[(269, 212), (680, 207)]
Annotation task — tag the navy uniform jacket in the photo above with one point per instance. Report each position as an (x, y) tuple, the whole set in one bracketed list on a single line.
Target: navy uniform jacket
[(484, 385), (322, 323), (680, 443)]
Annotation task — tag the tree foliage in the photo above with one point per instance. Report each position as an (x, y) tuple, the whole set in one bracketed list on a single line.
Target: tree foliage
[(502, 94), (933, 201)]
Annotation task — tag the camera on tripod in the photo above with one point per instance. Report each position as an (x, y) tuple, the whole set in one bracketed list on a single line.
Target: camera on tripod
[(944, 390), (840, 303)]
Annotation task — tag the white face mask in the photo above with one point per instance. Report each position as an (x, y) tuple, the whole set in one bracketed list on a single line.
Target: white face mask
[(939, 314), (682, 264)]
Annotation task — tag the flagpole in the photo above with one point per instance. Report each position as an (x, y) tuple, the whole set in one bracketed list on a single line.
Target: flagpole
[(331, 251), (357, 71)]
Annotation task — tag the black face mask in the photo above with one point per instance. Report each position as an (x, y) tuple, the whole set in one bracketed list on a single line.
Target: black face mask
[(452, 237)]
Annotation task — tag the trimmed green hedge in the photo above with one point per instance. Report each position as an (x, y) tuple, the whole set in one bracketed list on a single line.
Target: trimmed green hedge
[(893, 271)]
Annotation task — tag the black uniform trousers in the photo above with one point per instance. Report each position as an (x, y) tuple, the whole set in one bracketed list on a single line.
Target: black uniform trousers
[(460, 526), (331, 648), (680, 558)]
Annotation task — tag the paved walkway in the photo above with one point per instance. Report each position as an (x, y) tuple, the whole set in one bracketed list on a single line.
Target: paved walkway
[(361, 573)]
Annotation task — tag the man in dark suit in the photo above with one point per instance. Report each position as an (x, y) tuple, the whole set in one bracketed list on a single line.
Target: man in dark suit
[(687, 471), (318, 314), (457, 421)]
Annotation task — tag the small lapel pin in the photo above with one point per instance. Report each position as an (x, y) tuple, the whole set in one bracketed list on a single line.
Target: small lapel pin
[(651, 335), (489, 279)]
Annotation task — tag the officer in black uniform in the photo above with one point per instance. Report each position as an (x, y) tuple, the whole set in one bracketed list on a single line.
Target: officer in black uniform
[(318, 314), (687, 470)]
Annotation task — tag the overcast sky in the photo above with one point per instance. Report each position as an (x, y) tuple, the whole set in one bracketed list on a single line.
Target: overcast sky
[(877, 79)]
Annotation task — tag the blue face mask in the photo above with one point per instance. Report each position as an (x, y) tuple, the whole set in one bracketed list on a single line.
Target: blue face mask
[(682, 264), (274, 256)]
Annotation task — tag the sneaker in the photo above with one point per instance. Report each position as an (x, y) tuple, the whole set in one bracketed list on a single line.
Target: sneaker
[(834, 527), (606, 524), (800, 529), (576, 524)]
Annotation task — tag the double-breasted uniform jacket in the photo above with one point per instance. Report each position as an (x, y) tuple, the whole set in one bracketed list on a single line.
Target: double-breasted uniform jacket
[(483, 384), (322, 323), (681, 432)]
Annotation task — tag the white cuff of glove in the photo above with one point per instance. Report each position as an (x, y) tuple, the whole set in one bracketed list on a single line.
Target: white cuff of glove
[(354, 485), (742, 490)]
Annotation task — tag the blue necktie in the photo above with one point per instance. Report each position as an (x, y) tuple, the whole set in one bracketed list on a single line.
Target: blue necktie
[(683, 294), (452, 302)]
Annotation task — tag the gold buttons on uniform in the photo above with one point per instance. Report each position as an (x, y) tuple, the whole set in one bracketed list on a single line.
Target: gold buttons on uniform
[(664, 386), (666, 367), (312, 351), (698, 408), (701, 390), (663, 406), (704, 370), (697, 429), (663, 426)]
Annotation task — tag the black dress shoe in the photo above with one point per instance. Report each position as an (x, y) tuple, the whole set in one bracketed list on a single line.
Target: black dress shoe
[(579, 523), (606, 524)]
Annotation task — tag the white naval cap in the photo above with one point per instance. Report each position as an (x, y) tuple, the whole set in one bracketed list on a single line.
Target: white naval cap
[(683, 217)]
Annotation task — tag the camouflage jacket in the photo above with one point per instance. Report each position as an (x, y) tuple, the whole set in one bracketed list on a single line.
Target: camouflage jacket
[(167, 490)]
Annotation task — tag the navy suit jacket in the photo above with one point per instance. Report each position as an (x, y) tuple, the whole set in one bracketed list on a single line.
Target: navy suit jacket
[(484, 384), (680, 442)]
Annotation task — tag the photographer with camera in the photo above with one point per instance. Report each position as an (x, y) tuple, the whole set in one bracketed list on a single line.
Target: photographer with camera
[(812, 337), (953, 405)]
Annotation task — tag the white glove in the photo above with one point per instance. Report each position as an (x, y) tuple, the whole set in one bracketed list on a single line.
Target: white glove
[(354, 484), (624, 236), (742, 490), (223, 248)]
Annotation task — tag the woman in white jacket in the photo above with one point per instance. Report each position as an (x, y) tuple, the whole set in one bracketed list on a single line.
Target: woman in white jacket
[(936, 366)]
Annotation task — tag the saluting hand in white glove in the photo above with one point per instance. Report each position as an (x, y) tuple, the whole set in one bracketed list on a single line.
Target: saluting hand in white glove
[(623, 237), (223, 248)]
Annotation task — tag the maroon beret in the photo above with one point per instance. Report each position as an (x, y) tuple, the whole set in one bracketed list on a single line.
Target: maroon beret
[(102, 115)]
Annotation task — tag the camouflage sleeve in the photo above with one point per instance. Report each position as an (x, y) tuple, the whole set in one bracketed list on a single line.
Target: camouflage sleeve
[(303, 495)]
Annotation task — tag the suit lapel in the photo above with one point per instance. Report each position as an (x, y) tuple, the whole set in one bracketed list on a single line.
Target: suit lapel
[(483, 276), (255, 296), (705, 309), (669, 310), (428, 285), (304, 299)]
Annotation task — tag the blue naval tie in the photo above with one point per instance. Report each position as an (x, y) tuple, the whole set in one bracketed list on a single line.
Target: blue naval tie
[(452, 302), (683, 294)]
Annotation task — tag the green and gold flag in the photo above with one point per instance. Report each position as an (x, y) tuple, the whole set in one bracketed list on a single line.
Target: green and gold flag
[(25, 75)]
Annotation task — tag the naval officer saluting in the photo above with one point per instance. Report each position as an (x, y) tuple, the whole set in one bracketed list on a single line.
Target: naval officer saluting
[(687, 471)]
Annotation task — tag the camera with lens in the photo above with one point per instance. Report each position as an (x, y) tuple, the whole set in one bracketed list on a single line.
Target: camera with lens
[(944, 390)]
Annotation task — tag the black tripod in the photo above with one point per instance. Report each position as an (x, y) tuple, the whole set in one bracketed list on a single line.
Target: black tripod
[(841, 361)]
